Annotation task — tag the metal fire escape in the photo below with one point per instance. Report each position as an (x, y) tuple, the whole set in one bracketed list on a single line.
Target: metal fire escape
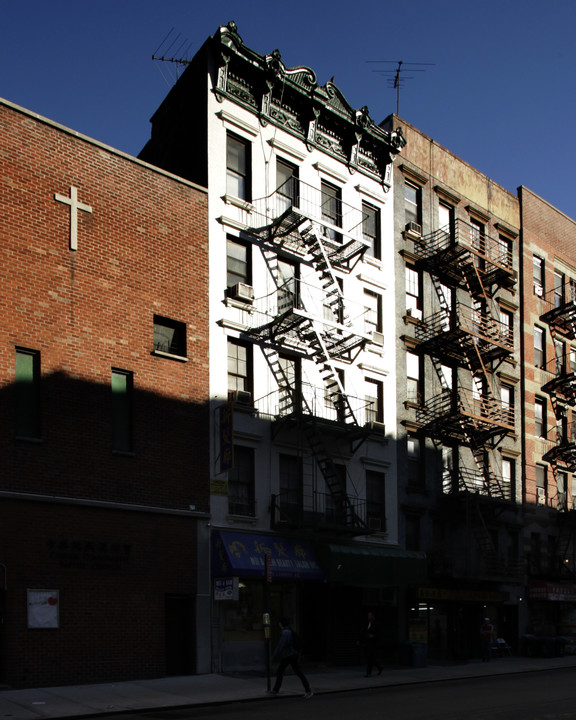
[(466, 268), (293, 219), (561, 319)]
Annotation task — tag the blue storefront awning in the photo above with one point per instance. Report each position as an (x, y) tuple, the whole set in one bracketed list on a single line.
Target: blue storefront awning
[(243, 555)]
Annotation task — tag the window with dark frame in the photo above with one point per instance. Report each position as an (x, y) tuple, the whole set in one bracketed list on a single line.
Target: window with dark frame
[(238, 262), (414, 474), (374, 399), (241, 490), (122, 384), (240, 373), (540, 418), (539, 347), (371, 230), (373, 312), (290, 496), (331, 209), (238, 167), (538, 275), (169, 336), (287, 185), (412, 203), (376, 500), (27, 393)]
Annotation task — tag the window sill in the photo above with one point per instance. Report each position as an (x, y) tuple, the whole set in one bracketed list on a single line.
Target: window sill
[(169, 356), (33, 440), (239, 203), (245, 519)]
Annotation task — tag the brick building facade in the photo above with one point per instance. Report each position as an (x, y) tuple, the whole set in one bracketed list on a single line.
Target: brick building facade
[(104, 416), (548, 420)]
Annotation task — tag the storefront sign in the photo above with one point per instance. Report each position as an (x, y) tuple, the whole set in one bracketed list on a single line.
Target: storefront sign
[(460, 595), (43, 608), (556, 592), (226, 588), (244, 555)]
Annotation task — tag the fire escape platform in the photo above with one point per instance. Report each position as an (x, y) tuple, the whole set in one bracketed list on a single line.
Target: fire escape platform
[(562, 318), (563, 388)]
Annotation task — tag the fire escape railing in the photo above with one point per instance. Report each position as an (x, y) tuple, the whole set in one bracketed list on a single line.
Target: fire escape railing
[(464, 333), (465, 416), (457, 254)]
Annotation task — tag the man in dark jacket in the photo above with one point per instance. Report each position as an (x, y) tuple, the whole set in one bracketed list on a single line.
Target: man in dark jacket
[(372, 640), (286, 654)]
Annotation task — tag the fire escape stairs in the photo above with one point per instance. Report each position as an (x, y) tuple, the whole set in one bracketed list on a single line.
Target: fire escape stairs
[(325, 346)]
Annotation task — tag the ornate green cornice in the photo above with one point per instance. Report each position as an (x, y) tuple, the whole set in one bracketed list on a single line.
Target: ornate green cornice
[(292, 99)]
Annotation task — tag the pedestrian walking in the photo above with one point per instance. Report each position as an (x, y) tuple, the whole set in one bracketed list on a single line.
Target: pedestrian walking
[(371, 639), (288, 655), (486, 635)]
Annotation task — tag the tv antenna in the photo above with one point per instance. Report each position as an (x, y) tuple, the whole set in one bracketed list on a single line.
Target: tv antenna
[(173, 50), (396, 78)]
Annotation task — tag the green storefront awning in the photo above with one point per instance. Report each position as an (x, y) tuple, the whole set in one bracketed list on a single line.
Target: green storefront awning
[(364, 565)]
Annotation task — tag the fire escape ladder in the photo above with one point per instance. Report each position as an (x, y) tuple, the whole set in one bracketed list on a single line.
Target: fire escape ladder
[(333, 480), (482, 537)]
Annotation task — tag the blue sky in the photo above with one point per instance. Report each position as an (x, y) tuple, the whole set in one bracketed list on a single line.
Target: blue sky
[(501, 93)]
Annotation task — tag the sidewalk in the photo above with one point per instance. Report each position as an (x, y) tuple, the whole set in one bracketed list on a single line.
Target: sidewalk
[(177, 692)]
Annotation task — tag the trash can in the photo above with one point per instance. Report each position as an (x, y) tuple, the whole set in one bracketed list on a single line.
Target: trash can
[(419, 654)]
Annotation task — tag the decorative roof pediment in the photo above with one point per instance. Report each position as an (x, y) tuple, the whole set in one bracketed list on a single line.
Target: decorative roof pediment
[(292, 99)]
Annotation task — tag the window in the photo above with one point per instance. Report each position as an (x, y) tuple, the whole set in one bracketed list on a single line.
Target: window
[(539, 347), (374, 398), (122, 392), (27, 392), (507, 396), (507, 326), (562, 484), (169, 336), (290, 474), (413, 294), (508, 477), (241, 482), (413, 394), (412, 203), (238, 263), (238, 167), (336, 511), (478, 242), (414, 465), (413, 523), (376, 500), (371, 230), (538, 275), (558, 289), (331, 209), (504, 252), (560, 355), (446, 218), (540, 420), (239, 367), (541, 484), (373, 312), (287, 185), (288, 295)]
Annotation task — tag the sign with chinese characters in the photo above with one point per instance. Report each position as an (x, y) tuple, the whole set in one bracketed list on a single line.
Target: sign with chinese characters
[(43, 608), (226, 588)]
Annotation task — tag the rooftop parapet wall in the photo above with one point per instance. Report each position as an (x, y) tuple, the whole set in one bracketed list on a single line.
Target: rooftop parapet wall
[(456, 175), (547, 227)]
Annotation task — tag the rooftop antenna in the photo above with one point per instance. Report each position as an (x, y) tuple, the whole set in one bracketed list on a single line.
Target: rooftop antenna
[(396, 78), (172, 51)]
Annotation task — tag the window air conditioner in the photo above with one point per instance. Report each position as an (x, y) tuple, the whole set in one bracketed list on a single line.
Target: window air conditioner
[(413, 230), (375, 426), (241, 291), (241, 397), (377, 338), (538, 290), (541, 499)]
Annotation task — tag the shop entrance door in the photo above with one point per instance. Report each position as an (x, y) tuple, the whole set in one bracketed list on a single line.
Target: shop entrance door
[(180, 632)]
